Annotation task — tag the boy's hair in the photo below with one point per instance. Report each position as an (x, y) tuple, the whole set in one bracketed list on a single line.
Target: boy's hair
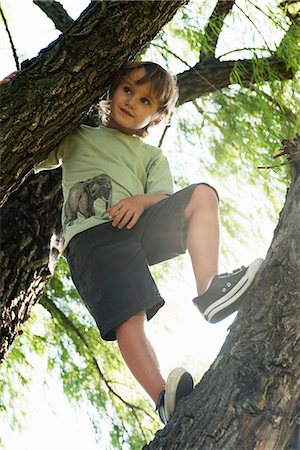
[(163, 85)]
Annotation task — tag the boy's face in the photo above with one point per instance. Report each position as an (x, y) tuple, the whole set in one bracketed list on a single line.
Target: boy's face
[(133, 105)]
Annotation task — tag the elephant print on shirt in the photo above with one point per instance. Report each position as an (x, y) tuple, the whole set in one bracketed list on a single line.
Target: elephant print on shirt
[(82, 196)]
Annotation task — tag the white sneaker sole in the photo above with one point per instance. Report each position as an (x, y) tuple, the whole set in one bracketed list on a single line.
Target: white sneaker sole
[(171, 388), (235, 293)]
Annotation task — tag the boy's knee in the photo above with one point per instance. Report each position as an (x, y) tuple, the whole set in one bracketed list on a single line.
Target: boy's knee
[(203, 197), (205, 191)]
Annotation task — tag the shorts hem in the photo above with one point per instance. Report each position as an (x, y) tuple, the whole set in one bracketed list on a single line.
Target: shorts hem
[(108, 331)]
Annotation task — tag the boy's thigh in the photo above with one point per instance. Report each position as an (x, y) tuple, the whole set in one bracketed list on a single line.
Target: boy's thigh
[(165, 228), (110, 272)]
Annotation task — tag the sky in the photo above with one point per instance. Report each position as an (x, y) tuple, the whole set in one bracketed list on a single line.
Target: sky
[(51, 423)]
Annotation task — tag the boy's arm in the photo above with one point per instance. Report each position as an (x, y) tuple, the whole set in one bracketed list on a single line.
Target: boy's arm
[(159, 186), (128, 211)]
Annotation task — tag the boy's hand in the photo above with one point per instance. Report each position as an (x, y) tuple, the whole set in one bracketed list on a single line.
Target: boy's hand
[(127, 212), (8, 78)]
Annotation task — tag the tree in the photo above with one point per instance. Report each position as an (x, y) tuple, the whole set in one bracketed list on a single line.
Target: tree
[(24, 291)]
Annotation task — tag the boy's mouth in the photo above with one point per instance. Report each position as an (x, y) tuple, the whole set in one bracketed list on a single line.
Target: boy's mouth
[(126, 112)]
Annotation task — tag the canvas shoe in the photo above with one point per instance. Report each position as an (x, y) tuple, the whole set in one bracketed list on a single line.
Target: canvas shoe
[(225, 292), (179, 384)]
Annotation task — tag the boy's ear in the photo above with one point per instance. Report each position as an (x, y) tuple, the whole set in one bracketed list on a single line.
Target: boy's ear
[(157, 121)]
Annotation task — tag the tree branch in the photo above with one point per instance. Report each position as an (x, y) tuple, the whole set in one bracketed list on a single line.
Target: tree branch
[(56, 12), (213, 75), (214, 26)]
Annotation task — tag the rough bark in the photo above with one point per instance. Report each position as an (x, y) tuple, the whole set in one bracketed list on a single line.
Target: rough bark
[(56, 12), (27, 223), (61, 83), (250, 397)]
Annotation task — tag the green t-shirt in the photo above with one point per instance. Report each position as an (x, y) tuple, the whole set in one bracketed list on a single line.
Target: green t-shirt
[(101, 166)]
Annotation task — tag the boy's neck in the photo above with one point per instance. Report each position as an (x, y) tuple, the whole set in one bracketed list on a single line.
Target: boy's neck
[(114, 126)]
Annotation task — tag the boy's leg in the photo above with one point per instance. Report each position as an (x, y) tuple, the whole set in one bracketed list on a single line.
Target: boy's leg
[(218, 295), (189, 219), (141, 359), (139, 355), (203, 235)]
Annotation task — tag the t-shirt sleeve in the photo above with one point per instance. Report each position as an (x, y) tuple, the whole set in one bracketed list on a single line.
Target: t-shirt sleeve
[(53, 160), (159, 178)]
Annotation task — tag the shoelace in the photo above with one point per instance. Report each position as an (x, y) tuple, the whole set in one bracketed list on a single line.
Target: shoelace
[(234, 272)]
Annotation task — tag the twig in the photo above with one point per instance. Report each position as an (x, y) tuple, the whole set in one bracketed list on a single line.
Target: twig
[(267, 15), (163, 135), (276, 166), (162, 47), (10, 38), (289, 149), (255, 26), (255, 49)]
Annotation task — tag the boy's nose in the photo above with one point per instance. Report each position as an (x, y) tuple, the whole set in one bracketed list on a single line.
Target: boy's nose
[(130, 102)]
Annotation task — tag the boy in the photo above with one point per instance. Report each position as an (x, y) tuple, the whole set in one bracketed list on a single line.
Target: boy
[(120, 216)]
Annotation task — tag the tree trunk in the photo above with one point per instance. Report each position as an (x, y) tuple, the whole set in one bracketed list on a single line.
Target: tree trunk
[(60, 84), (27, 222), (249, 398)]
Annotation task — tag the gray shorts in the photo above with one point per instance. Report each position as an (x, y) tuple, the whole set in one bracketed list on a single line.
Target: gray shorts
[(109, 266)]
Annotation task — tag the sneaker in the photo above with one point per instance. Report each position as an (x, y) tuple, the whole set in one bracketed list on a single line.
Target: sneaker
[(225, 293), (179, 384)]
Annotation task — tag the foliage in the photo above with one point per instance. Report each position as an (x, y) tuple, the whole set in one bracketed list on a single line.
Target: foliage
[(242, 126), (61, 331)]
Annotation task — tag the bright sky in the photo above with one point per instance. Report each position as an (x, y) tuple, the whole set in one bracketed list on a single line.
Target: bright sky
[(52, 424)]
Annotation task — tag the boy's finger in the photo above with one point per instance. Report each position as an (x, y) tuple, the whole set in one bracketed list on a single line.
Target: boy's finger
[(113, 211), (119, 214), (133, 221), (126, 218), (112, 214)]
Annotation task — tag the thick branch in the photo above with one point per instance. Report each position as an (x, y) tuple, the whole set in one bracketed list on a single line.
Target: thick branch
[(56, 12), (213, 75), (214, 26)]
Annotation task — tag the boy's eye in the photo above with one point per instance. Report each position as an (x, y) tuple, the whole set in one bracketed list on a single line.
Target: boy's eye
[(126, 89), (146, 101)]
